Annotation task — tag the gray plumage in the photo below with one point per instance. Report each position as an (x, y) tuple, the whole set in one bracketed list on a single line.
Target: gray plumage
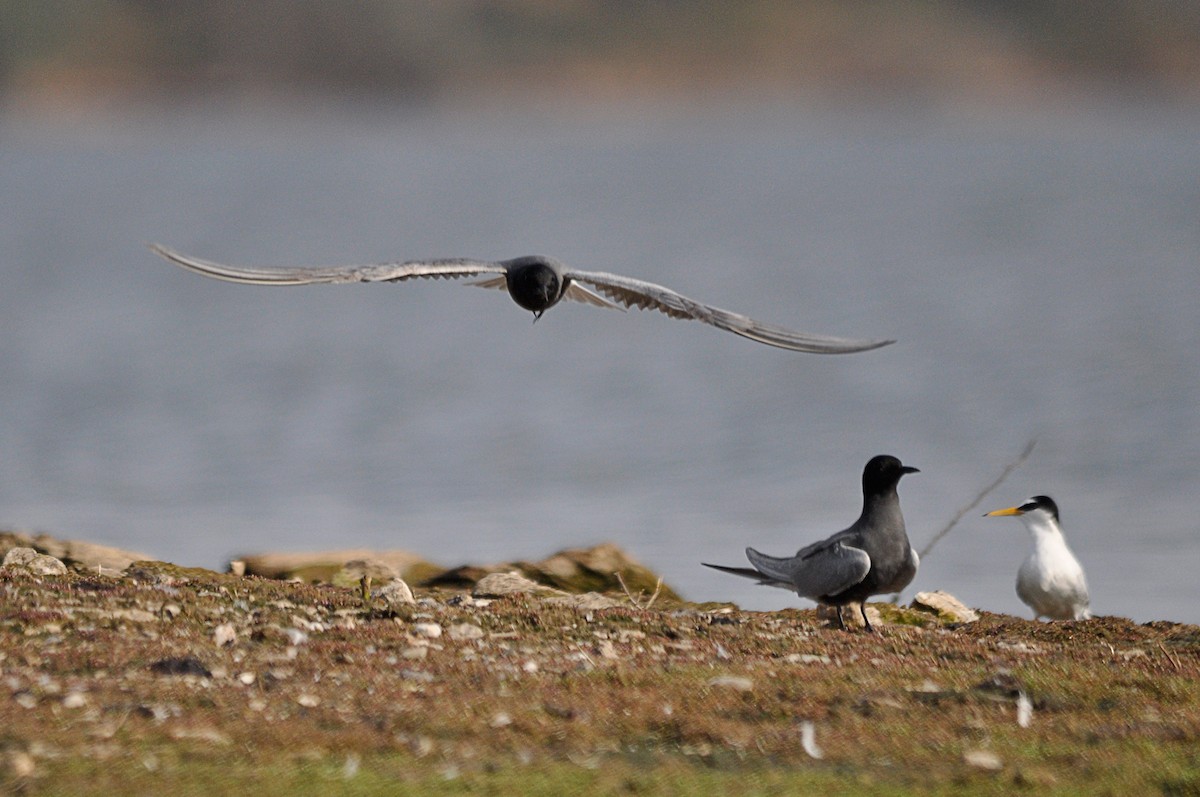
[(871, 557), (536, 283)]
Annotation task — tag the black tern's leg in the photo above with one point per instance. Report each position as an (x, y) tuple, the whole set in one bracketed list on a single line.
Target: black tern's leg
[(862, 607), (841, 622)]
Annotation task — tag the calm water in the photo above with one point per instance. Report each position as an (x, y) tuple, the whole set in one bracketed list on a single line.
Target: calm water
[(1040, 272)]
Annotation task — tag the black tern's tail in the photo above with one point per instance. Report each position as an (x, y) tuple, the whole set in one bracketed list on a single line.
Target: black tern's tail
[(745, 572)]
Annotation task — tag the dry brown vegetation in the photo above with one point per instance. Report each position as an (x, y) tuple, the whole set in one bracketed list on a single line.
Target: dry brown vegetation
[(174, 680)]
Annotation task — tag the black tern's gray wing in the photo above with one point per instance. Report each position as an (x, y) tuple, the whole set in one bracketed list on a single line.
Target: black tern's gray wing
[(746, 572), (386, 272), (828, 572), (643, 295)]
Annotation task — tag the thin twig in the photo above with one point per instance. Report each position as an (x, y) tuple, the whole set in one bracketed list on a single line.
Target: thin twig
[(654, 597), (1009, 468), (621, 581), (637, 604), (1167, 653)]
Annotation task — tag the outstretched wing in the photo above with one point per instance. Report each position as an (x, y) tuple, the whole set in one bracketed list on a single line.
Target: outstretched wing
[(828, 572), (647, 295), (387, 272)]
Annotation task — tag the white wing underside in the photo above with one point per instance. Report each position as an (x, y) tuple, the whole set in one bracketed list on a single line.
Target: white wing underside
[(450, 268), (647, 295)]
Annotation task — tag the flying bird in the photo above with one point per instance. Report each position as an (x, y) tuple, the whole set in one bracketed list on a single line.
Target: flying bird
[(536, 283), (1051, 580), (871, 557)]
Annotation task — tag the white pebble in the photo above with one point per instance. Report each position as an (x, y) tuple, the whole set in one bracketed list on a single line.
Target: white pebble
[(983, 759), (465, 631), (732, 682), (427, 630), (74, 700), (224, 634)]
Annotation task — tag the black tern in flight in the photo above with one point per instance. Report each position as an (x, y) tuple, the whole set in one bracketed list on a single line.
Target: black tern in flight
[(1051, 580), (536, 284), (871, 557)]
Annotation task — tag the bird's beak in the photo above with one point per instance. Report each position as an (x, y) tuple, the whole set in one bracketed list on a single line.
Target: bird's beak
[(537, 315), (1012, 510), (909, 469)]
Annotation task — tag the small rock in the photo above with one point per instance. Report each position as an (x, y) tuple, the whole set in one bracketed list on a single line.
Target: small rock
[(396, 593), (308, 701), (498, 585), (530, 667), (983, 759), (945, 606), (224, 634), (39, 564), (737, 682), (500, 720), (74, 700), (247, 678), (415, 653), (427, 630), (464, 631), (806, 658)]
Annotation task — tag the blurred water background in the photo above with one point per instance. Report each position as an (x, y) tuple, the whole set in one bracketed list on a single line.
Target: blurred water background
[(1037, 258)]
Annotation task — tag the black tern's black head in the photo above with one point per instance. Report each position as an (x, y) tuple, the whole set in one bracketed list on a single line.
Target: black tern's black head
[(535, 283), (883, 473)]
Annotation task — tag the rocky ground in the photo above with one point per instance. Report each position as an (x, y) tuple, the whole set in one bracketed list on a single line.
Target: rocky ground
[(152, 678)]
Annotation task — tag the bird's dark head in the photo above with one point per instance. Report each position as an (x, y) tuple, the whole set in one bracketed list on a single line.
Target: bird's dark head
[(883, 473), (535, 283)]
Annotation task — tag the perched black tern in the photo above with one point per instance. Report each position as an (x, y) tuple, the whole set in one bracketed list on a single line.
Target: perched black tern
[(871, 557), (1051, 580), (536, 283)]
